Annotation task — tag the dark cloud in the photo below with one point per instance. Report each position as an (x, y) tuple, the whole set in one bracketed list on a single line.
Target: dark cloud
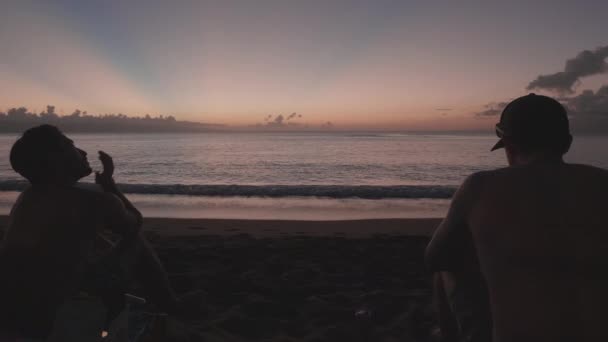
[(278, 120), (588, 110), (586, 63), (281, 120), (589, 103), (289, 122), (492, 109)]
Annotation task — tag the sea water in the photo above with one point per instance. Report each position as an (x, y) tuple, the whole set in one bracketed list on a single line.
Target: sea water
[(287, 175)]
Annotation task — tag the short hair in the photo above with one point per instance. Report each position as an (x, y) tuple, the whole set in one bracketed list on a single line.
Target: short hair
[(30, 153)]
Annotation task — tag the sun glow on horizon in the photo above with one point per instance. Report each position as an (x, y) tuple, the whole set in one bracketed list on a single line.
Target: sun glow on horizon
[(377, 66)]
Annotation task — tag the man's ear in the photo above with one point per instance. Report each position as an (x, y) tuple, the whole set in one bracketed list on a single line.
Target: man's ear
[(510, 147), (511, 151), (55, 165)]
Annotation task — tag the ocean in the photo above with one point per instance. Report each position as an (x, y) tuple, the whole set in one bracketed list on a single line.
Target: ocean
[(278, 175)]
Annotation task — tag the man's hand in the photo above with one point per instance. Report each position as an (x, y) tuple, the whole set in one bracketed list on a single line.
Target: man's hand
[(104, 179)]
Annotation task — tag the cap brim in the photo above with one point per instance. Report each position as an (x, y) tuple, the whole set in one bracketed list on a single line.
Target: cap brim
[(499, 144)]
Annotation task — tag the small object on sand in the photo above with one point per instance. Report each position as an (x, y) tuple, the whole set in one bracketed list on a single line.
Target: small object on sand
[(363, 313)]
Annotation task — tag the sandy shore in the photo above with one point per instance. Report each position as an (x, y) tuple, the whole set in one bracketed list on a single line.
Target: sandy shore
[(300, 280), (276, 228), (175, 227)]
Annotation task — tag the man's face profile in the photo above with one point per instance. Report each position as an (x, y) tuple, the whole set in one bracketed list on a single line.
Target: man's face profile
[(44, 155), (73, 160)]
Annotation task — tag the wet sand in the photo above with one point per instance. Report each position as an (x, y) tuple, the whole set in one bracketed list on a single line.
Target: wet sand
[(300, 280)]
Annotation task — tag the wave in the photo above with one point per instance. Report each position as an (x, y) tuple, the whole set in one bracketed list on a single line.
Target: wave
[(328, 191)]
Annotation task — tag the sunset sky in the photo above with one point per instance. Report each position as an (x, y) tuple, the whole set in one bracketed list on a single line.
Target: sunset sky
[(419, 65)]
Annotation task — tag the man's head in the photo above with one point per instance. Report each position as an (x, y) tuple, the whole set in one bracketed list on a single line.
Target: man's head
[(44, 155), (533, 126)]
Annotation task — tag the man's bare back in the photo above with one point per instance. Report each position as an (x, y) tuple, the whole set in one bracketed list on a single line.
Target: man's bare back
[(541, 233)]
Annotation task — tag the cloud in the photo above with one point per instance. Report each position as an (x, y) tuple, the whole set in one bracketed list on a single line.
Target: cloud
[(586, 63), (589, 103), (492, 109), (444, 111), (278, 120), (281, 120), (586, 109)]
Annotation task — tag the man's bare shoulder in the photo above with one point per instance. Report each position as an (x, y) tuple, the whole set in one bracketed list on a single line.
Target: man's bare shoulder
[(483, 179), (589, 170), (498, 173), (88, 191), (588, 178), (582, 170), (96, 195), (474, 182), (47, 196)]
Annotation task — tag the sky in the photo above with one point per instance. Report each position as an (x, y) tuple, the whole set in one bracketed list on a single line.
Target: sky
[(381, 64)]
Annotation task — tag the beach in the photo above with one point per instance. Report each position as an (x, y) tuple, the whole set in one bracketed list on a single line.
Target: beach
[(269, 280), (233, 171)]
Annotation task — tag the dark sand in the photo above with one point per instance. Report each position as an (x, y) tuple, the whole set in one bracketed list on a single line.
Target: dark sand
[(300, 280)]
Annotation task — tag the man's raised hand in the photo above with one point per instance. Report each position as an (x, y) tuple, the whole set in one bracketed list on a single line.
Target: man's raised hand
[(105, 177)]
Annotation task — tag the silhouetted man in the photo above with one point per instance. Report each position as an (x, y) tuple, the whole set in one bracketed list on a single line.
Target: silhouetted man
[(536, 232), (47, 249)]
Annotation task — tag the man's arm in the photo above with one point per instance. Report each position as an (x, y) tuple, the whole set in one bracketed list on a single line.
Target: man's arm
[(120, 215), (452, 247), (117, 217)]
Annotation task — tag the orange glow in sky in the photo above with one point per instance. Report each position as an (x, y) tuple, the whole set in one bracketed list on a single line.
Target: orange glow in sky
[(385, 65)]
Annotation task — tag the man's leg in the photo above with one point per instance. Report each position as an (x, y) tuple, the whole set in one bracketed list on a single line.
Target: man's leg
[(443, 288), (143, 265), (463, 307)]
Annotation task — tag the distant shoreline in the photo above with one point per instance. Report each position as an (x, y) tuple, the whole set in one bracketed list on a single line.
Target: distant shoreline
[(20, 119)]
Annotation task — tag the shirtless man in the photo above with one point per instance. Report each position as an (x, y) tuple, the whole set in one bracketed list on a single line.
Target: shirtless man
[(538, 229), (52, 230)]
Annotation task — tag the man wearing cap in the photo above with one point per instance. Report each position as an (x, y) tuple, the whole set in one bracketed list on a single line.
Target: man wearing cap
[(534, 233)]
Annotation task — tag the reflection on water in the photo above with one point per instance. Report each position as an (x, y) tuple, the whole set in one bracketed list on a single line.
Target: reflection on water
[(302, 160)]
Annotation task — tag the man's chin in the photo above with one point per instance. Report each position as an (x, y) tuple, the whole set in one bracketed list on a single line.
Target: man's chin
[(86, 172)]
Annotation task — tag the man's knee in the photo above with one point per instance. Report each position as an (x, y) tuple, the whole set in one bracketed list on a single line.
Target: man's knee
[(462, 306), (443, 286)]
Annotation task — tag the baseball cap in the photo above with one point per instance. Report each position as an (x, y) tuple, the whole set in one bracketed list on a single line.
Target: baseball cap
[(533, 120)]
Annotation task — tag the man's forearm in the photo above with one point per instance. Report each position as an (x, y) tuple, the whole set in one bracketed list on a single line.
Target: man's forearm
[(112, 188), (130, 238)]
